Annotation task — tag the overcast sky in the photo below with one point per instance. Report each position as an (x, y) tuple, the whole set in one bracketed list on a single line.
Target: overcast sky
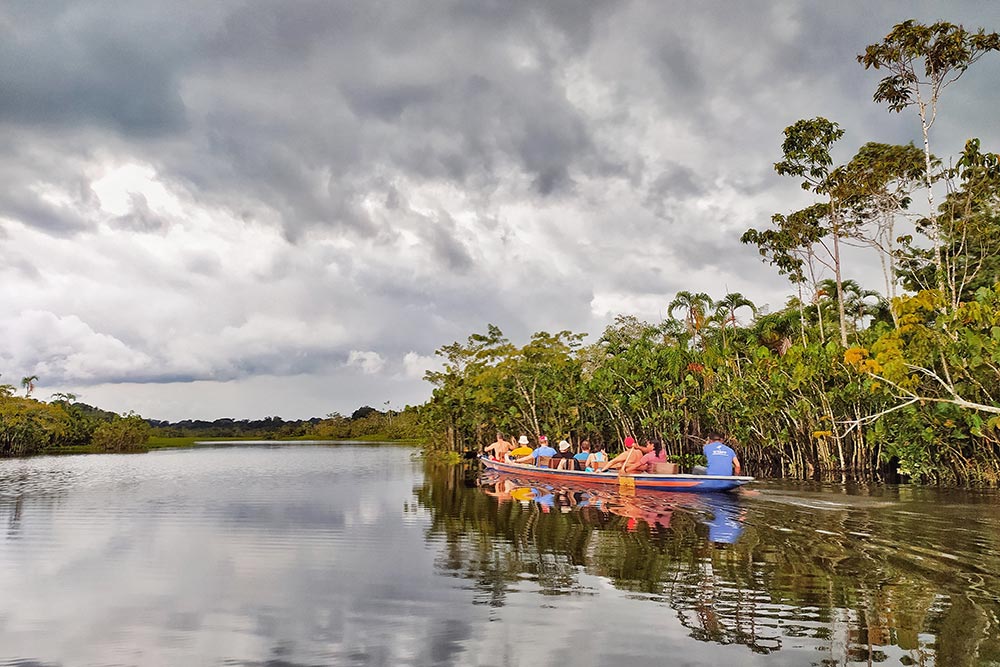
[(243, 209)]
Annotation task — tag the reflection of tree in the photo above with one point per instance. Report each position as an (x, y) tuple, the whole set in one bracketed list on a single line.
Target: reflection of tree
[(860, 585), (14, 520)]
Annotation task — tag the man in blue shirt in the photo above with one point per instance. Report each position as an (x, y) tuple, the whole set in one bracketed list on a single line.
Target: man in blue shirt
[(721, 458), (543, 449)]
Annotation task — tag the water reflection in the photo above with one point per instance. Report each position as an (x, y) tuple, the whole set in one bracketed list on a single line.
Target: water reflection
[(802, 574), (721, 514), (361, 555), (252, 556)]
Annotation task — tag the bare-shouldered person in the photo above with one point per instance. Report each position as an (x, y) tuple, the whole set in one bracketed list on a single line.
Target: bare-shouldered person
[(498, 450)]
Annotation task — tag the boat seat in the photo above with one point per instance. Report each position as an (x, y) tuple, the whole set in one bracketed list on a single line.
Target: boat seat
[(543, 461), (666, 469)]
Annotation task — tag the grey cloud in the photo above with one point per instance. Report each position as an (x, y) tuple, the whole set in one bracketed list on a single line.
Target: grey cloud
[(439, 232), (411, 102), (140, 218), (675, 181), (203, 263), (25, 267), (79, 67), (32, 169), (30, 209)]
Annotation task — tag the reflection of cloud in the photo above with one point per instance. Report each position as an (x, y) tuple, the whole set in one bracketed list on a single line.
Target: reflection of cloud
[(223, 555)]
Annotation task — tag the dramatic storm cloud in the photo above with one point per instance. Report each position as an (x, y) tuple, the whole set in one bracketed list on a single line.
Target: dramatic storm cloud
[(247, 208)]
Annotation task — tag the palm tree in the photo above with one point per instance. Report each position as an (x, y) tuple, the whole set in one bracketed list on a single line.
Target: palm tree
[(775, 331), (696, 306), (726, 307), (729, 304), (861, 303), (29, 384)]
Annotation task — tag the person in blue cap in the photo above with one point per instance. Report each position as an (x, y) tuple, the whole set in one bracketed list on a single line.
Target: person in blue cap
[(722, 459)]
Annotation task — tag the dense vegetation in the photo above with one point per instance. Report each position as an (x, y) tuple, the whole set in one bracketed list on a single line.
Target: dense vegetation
[(843, 380), (29, 426), (365, 422)]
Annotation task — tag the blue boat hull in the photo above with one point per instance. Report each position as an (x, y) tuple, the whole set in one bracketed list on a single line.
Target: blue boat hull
[(690, 483)]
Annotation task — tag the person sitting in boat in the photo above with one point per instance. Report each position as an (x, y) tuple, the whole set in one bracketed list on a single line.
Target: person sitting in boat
[(627, 460), (523, 449), (582, 455), (498, 450), (543, 450), (563, 459), (655, 453), (596, 458), (722, 459)]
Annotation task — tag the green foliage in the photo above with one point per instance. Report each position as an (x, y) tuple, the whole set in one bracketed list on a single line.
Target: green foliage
[(28, 426), (390, 425), (918, 56), (793, 404), (688, 461), (121, 434)]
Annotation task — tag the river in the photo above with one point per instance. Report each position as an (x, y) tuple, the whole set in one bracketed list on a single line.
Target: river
[(294, 555)]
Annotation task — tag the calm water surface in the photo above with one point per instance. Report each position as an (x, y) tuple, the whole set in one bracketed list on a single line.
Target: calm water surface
[(361, 555)]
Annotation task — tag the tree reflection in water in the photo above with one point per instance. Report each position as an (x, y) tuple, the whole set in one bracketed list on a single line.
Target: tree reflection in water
[(860, 579)]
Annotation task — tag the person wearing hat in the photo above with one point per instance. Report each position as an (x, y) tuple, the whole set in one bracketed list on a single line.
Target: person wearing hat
[(627, 459), (523, 449), (564, 457), (543, 449)]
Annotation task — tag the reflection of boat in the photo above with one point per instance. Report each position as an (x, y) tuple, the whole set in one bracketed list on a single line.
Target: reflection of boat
[(699, 483), (655, 509), (726, 525), (721, 513)]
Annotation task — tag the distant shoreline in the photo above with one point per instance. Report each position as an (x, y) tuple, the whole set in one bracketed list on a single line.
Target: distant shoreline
[(185, 442)]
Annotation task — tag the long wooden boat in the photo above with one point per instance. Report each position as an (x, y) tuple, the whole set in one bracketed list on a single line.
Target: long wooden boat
[(655, 482)]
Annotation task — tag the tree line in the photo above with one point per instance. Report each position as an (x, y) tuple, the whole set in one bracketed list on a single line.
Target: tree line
[(365, 422), (844, 380), (62, 424), (29, 426)]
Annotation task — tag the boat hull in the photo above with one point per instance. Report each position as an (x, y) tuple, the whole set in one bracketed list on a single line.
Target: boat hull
[(694, 483)]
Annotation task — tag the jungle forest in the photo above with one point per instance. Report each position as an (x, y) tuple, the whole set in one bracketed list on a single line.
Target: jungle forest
[(846, 381)]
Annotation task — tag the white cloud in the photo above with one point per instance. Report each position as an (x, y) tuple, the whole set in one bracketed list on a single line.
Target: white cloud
[(415, 365), (57, 347), (369, 362)]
